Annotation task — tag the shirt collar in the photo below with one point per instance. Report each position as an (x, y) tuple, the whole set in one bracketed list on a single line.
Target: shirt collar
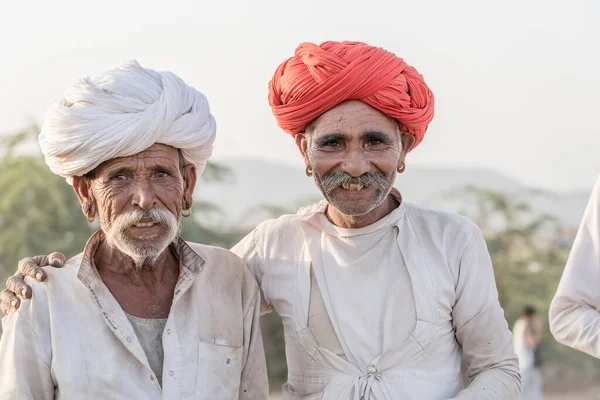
[(189, 261)]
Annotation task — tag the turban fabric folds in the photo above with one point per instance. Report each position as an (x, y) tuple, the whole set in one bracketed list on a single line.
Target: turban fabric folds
[(318, 78), (123, 112)]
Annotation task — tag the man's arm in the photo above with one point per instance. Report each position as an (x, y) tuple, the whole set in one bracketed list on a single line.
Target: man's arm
[(254, 383), (249, 250), (25, 355), (28, 267), (482, 330), (574, 316)]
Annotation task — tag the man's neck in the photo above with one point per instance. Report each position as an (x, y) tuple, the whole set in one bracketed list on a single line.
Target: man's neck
[(111, 261), (145, 292), (360, 221)]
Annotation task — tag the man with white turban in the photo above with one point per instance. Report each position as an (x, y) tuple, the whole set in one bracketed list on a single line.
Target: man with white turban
[(140, 313), (380, 299)]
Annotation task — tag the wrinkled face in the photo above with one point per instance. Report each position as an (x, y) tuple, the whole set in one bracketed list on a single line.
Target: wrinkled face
[(354, 151), (139, 199)]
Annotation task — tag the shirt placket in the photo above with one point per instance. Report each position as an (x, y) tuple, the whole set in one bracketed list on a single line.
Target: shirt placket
[(173, 372)]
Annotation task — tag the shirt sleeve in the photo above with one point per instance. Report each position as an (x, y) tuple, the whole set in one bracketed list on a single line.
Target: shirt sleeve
[(574, 316), (25, 358), (482, 330), (254, 382), (249, 250)]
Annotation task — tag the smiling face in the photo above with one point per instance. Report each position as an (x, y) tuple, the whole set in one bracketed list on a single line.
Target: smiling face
[(139, 199), (354, 151)]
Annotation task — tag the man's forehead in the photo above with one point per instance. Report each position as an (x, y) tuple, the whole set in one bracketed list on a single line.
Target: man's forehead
[(155, 154), (353, 118)]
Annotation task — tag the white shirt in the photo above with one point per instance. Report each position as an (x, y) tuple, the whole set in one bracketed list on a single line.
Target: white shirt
[(74, 341), (364, 273), (574, 316), (524, 352), (458, 315)]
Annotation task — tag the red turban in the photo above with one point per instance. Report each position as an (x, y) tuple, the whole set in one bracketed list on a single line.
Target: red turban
[(318, 78)]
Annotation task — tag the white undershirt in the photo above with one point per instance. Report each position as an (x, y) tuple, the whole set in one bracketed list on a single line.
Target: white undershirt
[(368, 288)]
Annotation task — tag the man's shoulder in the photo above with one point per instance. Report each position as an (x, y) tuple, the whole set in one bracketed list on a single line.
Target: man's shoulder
[(218, 257), (288, 223), (432, 220), (209, 252), (58, 278)]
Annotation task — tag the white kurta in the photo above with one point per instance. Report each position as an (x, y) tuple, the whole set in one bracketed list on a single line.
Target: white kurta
[(365, 260), (457, 313), (74, 341), (574, 316)]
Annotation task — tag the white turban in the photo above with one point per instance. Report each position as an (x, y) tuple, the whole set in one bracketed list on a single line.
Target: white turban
[(123, 112)]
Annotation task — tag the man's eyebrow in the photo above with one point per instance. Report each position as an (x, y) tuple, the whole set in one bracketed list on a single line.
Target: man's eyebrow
[(377, 135), (117, 171), (329, 138), (162, 167)]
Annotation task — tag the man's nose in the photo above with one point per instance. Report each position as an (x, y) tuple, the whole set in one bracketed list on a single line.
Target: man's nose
[(144, 196), (355, 163)]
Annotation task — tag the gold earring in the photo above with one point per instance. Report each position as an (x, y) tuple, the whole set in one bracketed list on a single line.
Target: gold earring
[(186, 213), (93, 212), (309, 171), (402, 168)]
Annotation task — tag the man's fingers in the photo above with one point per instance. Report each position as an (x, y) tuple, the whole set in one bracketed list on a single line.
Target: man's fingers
[(30, 267), (8, 300), (4, 309), (17, 285), (57, 259)]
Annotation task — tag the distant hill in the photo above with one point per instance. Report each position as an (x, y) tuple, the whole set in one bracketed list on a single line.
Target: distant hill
[(255, 183)]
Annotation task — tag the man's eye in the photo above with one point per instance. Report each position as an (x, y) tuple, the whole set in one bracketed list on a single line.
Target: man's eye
[(162, 174), (374, 142), (118, 177), (331, 145)]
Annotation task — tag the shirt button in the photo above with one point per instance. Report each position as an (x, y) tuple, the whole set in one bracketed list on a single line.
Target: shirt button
[(129, 339), (168, 331), (171, 373), (152, 378)]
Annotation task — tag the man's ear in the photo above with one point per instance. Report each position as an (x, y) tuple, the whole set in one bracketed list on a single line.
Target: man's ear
[(302, 144), (83, 190), (407, 141), (190, 176)]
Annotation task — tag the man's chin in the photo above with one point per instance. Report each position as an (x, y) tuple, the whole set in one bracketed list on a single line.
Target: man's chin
[(352, 209)]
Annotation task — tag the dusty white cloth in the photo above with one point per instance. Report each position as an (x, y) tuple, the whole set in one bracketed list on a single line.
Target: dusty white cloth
[(574, 316), (531, 384), (458, 316), (522, 350), (122, 112), (149, 332), (73, 340), (365, 260)]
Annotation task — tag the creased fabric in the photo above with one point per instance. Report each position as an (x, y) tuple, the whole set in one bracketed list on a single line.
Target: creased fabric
[(122, 112)]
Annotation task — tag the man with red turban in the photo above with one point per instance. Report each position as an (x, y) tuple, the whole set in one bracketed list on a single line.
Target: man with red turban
[(380, 299)]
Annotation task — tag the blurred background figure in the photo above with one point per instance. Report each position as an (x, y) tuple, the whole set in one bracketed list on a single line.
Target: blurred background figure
[(527, 336)]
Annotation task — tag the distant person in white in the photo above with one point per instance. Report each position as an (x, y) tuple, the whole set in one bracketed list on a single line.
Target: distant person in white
[(574, 315), (380, 299), (527, 336)]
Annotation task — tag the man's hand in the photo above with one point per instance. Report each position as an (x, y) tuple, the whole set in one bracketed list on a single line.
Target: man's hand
[(31, 267)]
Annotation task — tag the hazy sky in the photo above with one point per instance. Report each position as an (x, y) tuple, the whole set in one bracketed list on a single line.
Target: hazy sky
[(517, 82)]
